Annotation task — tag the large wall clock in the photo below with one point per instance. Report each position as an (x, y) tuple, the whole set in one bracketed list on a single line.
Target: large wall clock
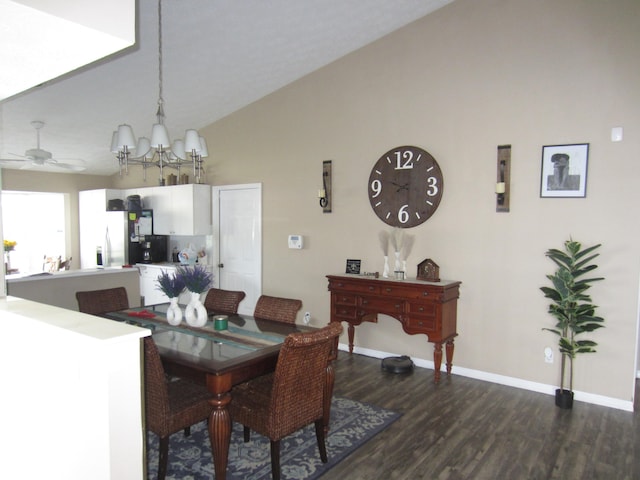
[(405, 187)]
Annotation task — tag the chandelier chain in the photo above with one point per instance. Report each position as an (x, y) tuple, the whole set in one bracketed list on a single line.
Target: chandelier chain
[(160, 113)]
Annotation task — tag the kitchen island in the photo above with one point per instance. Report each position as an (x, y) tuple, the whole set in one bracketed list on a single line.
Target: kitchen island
[(59, 288)]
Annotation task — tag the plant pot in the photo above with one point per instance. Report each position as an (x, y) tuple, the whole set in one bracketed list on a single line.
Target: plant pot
[(195, 313), (174, 314), (564, 399)]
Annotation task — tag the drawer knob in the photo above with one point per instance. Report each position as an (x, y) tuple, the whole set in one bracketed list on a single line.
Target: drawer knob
[(388, 290), (364, 302), (371, 289), (421, 309), (424, 294), (420, 323)]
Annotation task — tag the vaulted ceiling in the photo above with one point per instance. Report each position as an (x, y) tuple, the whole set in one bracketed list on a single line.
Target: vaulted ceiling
[(218, 56)]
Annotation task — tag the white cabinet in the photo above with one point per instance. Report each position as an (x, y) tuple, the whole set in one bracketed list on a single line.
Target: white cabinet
[(180, 209), (92, 208), (149, 291)]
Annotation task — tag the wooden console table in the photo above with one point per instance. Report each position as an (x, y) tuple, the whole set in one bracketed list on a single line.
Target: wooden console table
[(421, 307)]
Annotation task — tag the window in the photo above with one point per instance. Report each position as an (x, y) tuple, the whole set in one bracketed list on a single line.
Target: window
[(36, 221)]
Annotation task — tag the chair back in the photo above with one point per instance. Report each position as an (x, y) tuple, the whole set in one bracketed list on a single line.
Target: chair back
[(297, 393), (277, 308), (223, 301), (98, 302), (155, 388)]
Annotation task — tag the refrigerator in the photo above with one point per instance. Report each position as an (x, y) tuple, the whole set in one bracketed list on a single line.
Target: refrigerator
[(129, 239)]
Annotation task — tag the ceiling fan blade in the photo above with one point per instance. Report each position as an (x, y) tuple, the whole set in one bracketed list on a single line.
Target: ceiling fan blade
[(67, 166)]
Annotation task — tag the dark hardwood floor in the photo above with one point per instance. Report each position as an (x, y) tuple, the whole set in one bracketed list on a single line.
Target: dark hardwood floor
[(470, 429)]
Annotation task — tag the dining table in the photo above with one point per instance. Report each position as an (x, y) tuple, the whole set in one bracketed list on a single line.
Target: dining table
[(220, 358)]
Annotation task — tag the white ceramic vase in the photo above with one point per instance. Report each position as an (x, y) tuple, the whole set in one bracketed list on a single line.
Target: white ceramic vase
[(398, 265), (194, 313), (385, 272), (174, 313)]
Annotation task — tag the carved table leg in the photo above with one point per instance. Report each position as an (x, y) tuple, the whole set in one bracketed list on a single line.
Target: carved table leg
[(220, 424), (437, 361), (449, 351), (351, 330)]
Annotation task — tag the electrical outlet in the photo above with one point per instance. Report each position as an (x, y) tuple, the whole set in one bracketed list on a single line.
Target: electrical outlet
[(548, 355), (307, 318)]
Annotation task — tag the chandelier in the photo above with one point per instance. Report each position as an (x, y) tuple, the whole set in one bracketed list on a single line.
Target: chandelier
[(158, 151)]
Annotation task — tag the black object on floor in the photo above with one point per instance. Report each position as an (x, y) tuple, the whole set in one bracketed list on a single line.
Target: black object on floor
[(401, 364)]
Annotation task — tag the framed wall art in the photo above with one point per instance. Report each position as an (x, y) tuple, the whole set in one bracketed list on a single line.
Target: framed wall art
[(564, 170), (353, 267)]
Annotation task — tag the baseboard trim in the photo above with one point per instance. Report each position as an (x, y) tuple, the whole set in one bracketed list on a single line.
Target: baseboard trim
[(502, 379)]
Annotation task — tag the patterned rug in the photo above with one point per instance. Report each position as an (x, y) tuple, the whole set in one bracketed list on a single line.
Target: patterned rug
[(352, 425)]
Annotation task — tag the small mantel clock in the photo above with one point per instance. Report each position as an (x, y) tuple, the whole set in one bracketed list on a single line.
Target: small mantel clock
[(405, 187)]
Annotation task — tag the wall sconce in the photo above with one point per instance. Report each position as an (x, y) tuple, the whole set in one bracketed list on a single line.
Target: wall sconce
[(324, 194), (504, 177)]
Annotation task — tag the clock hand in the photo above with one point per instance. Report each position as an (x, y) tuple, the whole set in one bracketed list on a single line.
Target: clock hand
[(401, 187)]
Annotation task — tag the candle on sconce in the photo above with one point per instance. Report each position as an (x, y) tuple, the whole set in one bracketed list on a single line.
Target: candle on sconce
[(500, 187)]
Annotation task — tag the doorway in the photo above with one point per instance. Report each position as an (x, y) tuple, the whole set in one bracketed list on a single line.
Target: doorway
[(237, 236)]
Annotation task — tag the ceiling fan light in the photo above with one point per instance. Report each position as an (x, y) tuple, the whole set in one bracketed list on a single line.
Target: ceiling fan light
[(126, 138), (160, 137), (143, 147), (178, 149), (204, 151), (192, 141)]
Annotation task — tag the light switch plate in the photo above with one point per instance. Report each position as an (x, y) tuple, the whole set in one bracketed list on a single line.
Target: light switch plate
[(616, 134)]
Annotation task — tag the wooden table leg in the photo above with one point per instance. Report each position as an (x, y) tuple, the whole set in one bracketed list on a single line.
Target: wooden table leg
[(437, 361), (351, 331), (220, 423), (449, 351)]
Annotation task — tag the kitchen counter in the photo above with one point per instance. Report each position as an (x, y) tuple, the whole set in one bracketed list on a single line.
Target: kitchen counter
[(59, 288), (74, 382)]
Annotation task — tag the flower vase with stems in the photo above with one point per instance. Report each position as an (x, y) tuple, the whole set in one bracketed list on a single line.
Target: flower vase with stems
[(197, 280), (172, 286), (385, 272), (9, 245)]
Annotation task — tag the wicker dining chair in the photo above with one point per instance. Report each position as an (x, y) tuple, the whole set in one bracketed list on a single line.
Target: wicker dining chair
[(170, 405), (278, 404), (277, 308), (99, 302), (223, 301)]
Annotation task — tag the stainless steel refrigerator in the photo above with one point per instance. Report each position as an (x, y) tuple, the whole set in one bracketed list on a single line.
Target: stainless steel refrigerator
[(129, 239)]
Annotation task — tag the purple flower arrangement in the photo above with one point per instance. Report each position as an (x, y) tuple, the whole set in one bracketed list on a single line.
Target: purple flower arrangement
[(171, 285), (195, 278)]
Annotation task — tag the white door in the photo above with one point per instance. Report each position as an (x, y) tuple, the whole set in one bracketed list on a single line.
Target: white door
[(237, 232)]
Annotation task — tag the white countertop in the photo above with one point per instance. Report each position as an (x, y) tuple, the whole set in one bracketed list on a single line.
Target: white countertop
[(23, 277), (19, 309)]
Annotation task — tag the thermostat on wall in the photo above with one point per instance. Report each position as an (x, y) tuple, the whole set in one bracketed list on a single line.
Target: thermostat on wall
[(295, 241)]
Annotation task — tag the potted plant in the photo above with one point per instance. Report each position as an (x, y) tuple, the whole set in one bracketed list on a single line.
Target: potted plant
[(197, 280), (572, 309), (172, 286)]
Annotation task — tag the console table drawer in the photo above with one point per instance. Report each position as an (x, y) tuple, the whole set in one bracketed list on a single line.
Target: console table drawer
[(422, 323), (382, 305), (345, 299), (353, 286), (411, 292), (427, 309), (344, 311)]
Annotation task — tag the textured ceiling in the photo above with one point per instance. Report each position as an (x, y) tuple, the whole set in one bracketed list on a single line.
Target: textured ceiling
[(218, 57)]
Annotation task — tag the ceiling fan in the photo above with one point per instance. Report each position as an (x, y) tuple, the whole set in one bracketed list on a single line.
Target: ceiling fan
[(37, 157)]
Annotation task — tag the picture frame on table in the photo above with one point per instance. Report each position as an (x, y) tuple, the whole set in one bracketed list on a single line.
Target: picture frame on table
[(564, 171), (353, 267)]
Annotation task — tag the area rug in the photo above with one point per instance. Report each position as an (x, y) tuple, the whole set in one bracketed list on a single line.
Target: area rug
[(352, 425)]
